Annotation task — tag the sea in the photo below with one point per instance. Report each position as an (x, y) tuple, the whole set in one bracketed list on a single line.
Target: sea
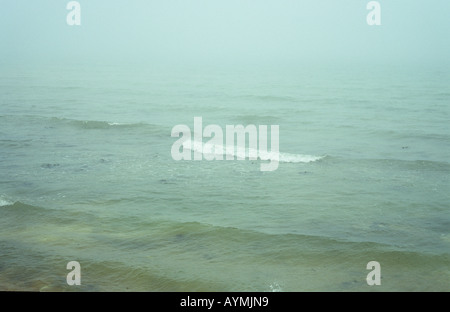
[(87, 175)]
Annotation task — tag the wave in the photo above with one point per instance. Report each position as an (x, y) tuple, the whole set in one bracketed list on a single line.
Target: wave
[(256, 119), (177, 231), (95, 124), (5, 202), (21, 208), (410, 164), (85, 124), (270, 98), (298, 158), (57, 122), (221, 151)]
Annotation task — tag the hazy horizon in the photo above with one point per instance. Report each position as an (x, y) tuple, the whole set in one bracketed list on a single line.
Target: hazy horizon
[(225, 32)]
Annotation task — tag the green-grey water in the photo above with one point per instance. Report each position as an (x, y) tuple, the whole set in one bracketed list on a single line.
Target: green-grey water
[(87, 175)]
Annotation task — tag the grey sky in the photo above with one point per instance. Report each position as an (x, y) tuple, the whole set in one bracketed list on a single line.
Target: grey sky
[(214, 31)]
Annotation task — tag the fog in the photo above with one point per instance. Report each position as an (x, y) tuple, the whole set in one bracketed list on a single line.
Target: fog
[(230, 32)]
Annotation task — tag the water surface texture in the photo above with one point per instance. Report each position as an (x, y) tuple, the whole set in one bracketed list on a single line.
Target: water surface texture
[(87, 175)]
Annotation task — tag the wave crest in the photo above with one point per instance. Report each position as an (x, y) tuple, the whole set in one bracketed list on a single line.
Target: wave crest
[(5, 202), (244, 153)]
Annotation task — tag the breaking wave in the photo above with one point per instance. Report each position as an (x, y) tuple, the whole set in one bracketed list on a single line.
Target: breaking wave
[(221, 151), (5, 202)]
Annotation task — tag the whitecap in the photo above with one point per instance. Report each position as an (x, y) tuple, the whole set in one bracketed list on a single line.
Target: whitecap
[(5, 202), (244, 153)]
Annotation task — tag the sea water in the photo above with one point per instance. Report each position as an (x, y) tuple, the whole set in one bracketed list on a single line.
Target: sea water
[(86, 175)]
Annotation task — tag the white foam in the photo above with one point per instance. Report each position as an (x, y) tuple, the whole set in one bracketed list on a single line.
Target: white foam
[(244, 153), (4, 202), (298, 158), (275, 287), (119, 124)]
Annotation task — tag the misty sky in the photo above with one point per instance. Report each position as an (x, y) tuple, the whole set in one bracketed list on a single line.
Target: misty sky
[(216, 31)]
